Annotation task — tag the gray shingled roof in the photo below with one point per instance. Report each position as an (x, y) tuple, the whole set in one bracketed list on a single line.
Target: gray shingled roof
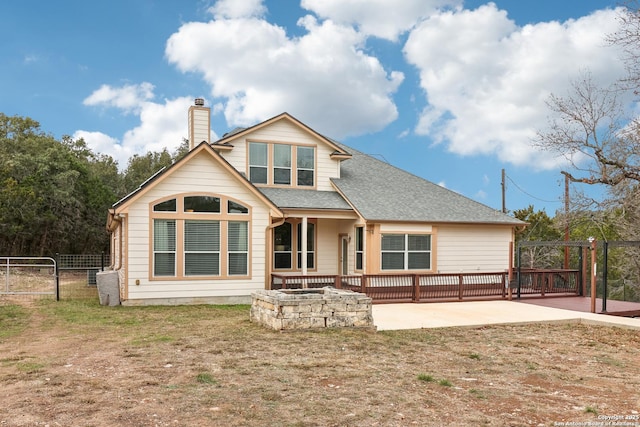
[(305, 199), (380, 191)]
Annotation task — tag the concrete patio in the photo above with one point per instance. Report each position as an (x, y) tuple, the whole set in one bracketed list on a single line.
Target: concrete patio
[(483, 313)]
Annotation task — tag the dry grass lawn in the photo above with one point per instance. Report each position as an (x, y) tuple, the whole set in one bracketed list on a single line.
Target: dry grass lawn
[(75, 363)]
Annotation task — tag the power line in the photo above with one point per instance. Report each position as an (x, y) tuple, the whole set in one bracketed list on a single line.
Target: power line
[(529, 194)]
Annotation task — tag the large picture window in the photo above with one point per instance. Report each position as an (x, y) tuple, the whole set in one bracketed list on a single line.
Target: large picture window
[(200, 236), (406, 252), (201, 248)]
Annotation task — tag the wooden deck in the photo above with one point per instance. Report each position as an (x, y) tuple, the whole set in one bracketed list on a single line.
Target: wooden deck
[(583, 304)]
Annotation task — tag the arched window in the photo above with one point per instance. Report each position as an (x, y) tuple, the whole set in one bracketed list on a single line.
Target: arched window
[(195, 237)]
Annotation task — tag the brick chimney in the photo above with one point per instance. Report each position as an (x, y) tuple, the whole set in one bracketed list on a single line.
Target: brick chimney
[(199, 123)]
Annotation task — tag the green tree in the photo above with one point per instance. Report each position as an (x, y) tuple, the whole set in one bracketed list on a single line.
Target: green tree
[(51, 192), (540, 228)]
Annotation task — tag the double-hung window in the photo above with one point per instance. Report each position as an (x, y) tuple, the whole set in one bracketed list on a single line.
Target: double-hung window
[(238, 248), (406, 252), (164, 247), (258, 162), (305, 161), (282, 164)]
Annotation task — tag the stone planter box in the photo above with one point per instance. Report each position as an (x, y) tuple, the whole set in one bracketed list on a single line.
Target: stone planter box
[(288, 309)]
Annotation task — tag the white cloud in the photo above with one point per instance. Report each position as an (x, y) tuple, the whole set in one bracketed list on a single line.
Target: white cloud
[(162, 125), (102, 143), (237, 9), (128, 98), (487, 80), (324, 77), (378, 17)]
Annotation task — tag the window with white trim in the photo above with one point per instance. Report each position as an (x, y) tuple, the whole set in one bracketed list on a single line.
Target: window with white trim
[(406, 252)]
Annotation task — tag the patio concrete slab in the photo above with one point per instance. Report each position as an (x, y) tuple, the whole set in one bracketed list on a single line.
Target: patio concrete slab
[(483, 313)]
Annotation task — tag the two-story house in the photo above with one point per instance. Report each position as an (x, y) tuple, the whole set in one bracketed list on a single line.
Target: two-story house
[(281, 198)]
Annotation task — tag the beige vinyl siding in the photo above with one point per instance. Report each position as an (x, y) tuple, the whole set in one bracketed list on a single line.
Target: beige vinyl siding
[(199, 125), (327, 246), (477, 248), (201, 174), (286, 132)]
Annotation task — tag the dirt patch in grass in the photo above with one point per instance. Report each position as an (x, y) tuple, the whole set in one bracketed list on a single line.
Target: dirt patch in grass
[(78, 363)]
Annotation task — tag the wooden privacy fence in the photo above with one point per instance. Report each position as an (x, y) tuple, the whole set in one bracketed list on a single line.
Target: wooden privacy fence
[(439, 287)]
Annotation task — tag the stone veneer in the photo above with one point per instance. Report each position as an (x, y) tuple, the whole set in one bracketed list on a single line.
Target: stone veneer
[(327, 307)]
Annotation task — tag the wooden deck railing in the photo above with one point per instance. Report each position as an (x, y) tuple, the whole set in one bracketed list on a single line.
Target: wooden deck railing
[(543, 282), (405, 287), (438, 287)]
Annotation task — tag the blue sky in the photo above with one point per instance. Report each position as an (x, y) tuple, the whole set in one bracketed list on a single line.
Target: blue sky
[(450, 90)]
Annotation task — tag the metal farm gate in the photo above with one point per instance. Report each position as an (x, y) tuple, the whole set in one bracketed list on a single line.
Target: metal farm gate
[(28, 276)]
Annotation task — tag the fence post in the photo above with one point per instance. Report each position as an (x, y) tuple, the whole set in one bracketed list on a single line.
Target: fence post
[(460, 283), (337, 283), (363, 284), (102, 261), (519, 274), (416, 288), (56, 270), (605, 273)]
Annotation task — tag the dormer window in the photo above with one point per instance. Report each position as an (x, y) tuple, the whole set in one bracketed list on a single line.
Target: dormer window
[(278, 164)]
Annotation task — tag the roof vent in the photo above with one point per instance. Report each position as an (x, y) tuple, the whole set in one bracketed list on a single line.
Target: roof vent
[(199, 102)]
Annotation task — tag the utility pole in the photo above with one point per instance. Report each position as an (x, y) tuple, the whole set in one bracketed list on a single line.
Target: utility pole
[(504, 203)]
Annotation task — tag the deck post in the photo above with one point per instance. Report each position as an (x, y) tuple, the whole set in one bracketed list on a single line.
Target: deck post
[(337, 283), (416, 288), (460, 283), (363, 284)]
